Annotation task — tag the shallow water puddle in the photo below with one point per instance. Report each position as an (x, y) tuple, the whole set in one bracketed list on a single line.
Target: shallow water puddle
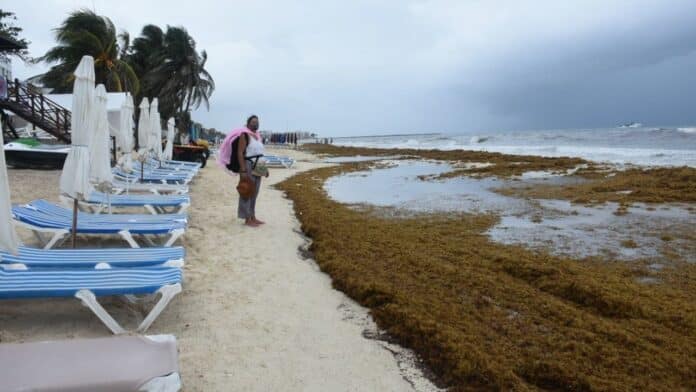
[(582, 231), (399, 186), (358, 158), (556, 225)]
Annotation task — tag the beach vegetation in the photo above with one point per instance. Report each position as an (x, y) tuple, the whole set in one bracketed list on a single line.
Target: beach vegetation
[(83, 33), (9, 29), (171, 68), (161, 63)]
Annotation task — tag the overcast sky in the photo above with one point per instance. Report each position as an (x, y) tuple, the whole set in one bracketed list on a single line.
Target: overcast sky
[(362, 67)]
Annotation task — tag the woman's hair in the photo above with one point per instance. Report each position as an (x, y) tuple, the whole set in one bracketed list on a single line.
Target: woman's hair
[(253, 116)]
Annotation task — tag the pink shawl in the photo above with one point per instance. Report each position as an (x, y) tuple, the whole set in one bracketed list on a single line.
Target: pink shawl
[(226, 147)]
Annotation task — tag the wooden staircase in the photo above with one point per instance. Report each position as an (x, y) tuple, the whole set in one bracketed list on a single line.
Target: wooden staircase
[(27, 102)]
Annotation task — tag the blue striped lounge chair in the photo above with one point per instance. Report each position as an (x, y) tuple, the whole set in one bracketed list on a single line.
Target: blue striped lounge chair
[(169, 178), (154, 204), (44, 218), (86, 284), (122, 185), (28, 257)]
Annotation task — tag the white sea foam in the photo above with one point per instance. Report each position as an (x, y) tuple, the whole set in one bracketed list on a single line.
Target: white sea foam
[(687, 129), (637, 146)]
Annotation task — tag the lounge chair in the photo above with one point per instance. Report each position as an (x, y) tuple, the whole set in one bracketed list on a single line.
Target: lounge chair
[(169, 178), (45, 218), (155, 204), (87, 284), (117, 363), (167, 171), (154, 167), (27, 257), (176, 165), (54, 209), (278, 161), (121, 185)]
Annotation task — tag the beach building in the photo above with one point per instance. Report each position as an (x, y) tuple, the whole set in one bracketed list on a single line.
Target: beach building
[(114, 102)]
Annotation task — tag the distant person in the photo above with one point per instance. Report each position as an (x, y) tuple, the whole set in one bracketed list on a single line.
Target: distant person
[(249, 150), (3, 87)]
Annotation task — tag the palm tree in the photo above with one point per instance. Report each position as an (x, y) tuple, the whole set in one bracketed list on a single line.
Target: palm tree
[(171, 69), (143, 56), (86, 33)]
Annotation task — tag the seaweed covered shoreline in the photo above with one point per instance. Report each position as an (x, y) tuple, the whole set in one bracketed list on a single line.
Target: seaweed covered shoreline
[(489, 316), (651, 185)]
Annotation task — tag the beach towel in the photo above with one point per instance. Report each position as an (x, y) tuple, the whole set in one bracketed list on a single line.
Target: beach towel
[(225, 152)]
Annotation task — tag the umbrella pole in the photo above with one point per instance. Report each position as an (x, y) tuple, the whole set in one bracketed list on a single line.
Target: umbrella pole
[(74, 223)]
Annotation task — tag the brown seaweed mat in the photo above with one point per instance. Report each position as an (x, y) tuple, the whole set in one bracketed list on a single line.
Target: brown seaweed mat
[(485, 316)]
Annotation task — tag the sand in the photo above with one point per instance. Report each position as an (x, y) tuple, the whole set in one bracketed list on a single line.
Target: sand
[(254, 314)]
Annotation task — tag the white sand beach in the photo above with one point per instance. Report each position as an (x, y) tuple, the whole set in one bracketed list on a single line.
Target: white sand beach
[(254, 315)]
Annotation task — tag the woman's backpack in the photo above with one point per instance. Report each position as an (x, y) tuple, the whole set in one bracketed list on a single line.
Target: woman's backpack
[(234, 161)]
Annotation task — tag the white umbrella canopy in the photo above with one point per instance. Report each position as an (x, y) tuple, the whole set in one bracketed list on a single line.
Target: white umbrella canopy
[(9, 241), (125, 134), (155, 129), (169, 148), (100, 158), (74, 180), (144, 126)]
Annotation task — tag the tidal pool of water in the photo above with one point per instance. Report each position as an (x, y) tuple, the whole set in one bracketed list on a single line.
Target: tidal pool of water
[(554, 225), (358, 158)]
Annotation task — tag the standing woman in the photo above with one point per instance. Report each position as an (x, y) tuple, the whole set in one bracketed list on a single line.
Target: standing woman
[(249, 150)]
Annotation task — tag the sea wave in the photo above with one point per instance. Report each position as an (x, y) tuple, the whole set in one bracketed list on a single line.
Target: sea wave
[(690, 130), (478, 139)]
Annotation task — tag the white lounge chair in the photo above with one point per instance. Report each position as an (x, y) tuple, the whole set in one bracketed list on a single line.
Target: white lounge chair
[(117, 363)]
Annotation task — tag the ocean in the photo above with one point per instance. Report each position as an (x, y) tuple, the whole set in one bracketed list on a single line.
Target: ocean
[(636, 145)]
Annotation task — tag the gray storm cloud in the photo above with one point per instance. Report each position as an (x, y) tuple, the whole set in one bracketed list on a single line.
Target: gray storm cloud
[(360, 67)]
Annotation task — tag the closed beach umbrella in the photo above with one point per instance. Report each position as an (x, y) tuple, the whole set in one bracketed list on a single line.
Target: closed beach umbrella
[(155, 129), (74, 180), (125, 135), (100, 158), (169, 148), (8, 236), (144, 126)]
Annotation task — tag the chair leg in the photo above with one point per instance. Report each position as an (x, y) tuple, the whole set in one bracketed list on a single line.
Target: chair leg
[(167, 293), (126, 235), (57, 236), (175, 234), (183, 208), (39, 237), (61, 241), (150, 209), (149, 240), (90, 300)]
